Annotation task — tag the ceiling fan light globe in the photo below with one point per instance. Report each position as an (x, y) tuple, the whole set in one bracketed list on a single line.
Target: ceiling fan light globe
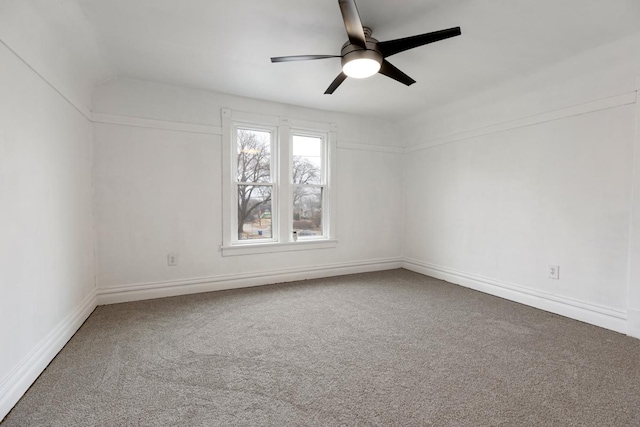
[(361, 68)]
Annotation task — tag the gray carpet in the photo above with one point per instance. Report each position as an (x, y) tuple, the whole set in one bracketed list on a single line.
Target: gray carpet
[(392, 348)]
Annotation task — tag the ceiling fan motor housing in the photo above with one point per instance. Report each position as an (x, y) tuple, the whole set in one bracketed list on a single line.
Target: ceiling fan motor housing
[(351, 51)]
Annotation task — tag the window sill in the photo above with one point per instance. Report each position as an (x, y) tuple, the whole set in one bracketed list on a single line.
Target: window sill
[(263, 248)]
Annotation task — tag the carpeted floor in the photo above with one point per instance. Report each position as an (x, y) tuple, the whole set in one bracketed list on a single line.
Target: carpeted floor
[(392, 348)]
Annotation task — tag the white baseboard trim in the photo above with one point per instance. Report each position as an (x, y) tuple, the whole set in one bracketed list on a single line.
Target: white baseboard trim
[(604, 317), (18, 381), (142, 291)]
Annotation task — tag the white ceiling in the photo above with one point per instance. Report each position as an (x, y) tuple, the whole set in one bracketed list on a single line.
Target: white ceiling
[(226, 45)]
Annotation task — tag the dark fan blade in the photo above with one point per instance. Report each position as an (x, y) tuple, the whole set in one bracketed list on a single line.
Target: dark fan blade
[(391, 71), (352, 22), (334, 85), (301, 58), (392, 47)]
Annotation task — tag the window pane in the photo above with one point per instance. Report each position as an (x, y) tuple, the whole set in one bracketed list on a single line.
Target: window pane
[(307, 211), (254, 155), (307, 160), (254, 212)]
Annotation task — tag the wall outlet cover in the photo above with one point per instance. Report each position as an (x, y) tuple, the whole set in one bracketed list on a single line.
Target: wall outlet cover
[(172, 259), (554, 272)]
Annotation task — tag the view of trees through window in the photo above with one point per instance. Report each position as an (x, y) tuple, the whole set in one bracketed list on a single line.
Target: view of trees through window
[(308, 185), (255, 184)]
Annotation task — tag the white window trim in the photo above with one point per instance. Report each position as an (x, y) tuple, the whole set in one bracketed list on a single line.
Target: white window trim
[(283, 126), (325, 179), (271, 247)]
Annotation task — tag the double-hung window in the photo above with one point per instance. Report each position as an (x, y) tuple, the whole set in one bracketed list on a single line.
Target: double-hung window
[(254, 184), (277, 180), (308, 179)]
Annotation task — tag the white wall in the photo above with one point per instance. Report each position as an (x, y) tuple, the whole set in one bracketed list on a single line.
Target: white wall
[(46, 225), (160, 191), (633, 313), (57, 42), (530, 174)]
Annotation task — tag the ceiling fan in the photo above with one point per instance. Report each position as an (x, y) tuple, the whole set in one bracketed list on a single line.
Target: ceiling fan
[(363, 56)]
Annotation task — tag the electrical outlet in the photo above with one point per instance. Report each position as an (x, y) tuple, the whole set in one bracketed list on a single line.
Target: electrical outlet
[(172, 259), (554, 272)]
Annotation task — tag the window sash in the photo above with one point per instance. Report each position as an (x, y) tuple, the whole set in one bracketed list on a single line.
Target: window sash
[(260, 228), (273, 154), (272, 183), (323, 212), (323, 138), (323, 154)]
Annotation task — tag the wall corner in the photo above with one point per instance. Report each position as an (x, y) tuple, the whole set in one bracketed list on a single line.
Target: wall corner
[(633, 323), (633, 284)]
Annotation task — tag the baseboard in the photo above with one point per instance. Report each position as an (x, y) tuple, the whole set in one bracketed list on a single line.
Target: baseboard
[(142, 291), (605, 317), (18, 381)]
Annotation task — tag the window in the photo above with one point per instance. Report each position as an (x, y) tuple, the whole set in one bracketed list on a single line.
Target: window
[(277, 184), (254, 183), (308, 180)]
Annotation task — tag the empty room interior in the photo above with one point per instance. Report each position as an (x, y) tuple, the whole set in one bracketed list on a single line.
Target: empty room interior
[(395, 212)]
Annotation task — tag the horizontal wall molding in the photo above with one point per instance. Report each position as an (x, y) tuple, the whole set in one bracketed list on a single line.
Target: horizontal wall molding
[(369, 147), (18, 381), (575, 110), (142, 291), (598, 315), (114, 119)]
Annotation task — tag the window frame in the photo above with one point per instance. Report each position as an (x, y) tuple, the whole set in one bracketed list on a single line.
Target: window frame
[(324, 138), (283, 129), (273, 183)]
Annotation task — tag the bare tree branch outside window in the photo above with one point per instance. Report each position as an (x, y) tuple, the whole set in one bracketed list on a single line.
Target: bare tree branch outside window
[(307, 185), (254, 167)]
